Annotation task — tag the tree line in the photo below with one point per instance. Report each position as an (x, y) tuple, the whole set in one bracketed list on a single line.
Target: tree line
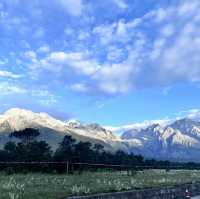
[(29, 149)]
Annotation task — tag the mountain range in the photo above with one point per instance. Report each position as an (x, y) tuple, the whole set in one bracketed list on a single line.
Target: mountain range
[(175, 141)]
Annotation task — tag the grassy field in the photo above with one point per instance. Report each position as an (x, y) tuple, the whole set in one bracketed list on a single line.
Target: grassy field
[(49, 186)]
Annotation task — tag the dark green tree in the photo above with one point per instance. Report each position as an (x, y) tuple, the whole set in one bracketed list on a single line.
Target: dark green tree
[(27, 135), (66, 149), (98, 150), (10, 151), (10, 147), (33, 151), (84, 152)]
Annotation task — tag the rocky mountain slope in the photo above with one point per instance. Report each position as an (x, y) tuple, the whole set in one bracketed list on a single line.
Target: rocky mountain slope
[(53, 130), (179, 140)]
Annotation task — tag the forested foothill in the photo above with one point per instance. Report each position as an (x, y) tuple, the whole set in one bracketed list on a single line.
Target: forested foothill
[(30, 154)]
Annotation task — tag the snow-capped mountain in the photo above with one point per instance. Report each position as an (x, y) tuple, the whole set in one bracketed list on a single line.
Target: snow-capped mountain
[(178, 140), (53, 130), (137, 126)]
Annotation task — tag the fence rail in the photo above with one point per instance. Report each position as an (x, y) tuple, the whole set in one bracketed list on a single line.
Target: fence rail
[(127, 167)]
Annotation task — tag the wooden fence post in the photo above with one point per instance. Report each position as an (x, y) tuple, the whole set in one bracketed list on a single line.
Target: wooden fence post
[(67, 167)]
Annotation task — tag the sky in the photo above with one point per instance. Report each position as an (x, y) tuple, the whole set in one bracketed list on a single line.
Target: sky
[(113, 62)]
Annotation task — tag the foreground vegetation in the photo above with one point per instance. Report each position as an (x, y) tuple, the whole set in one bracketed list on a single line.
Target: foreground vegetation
[(45, 180), (40, 186)]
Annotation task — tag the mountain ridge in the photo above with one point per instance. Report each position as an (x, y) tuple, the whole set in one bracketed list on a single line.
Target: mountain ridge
[(179, 140), (53, 130)]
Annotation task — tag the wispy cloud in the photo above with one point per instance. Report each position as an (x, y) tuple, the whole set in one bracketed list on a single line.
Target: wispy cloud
[(121, 4), (98, 48), (80, 87), (7, 88), (193, 114), (134, 58), (74, 7), (9, 74)]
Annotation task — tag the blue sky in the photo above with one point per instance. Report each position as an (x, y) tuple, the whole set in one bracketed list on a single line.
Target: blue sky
[(113, 62)]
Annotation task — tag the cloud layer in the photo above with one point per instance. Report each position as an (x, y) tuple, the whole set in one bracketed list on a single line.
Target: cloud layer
[(81, 47)]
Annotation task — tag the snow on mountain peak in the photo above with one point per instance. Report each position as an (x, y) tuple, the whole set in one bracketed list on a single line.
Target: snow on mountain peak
[(17, 119), (73, 123), (17, 111), (22, 118), (177, 139)]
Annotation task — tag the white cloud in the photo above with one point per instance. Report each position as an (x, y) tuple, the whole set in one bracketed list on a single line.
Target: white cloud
[(62, 57), (193, 114), (58, 61), (115, 78), (188, 7), (105, 32), (160, 48), (44, 97), (9, 74), (115, 54), (140, 125), (160, 15), (79, 87), (30, 55), (121, 4), (76, 60), (83, 35), (7, 88), (168, 30), (74, 7), (40, 95), (171, 55), (120, 31), (43, 49), (181, 59), (107, 78)]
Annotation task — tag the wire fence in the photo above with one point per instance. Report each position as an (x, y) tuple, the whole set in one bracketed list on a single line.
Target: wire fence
[(70, 167)]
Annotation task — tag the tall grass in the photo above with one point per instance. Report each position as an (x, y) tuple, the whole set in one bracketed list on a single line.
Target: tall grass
[(49, 186)]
